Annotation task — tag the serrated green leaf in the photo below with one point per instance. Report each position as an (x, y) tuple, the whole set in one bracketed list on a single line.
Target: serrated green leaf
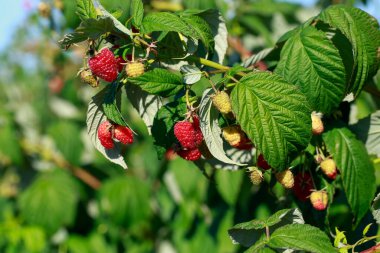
[(363, 32), (368, 131), (95, 116), (92, 29), (201, 29), (165, 22), (50, 201), (340, 238), (116, 23), (159, 82), (86, 9), (274, 114), (257, 57), (249, 233), (137, 12), (310, 60), (211, 130), (163, 124), (355, 166), (124, 201), (191, 74), (145, 104), (301, 237), (112, 104)]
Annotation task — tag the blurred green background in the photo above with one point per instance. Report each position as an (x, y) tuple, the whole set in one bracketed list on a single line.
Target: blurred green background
[(58, 194)]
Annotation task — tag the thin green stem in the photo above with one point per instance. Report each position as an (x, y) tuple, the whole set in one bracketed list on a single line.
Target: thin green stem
[(208, 63)]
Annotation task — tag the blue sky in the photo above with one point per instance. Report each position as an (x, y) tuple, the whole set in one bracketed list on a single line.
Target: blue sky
[(17, 10)]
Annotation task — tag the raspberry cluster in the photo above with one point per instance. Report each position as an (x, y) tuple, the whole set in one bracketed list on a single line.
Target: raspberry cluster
[(190, 137), (108, 133)]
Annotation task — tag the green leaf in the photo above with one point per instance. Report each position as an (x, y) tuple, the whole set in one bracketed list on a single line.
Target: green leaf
[(145, 104), (50, 201), (219, 32), (211, 130), (61, 131), (163, 124), (125, 201), (202, 30), (166, 22), (257, 57), (228, 184), (159, 82), (191, 74), (310, 60), (137, 12), (274, 114), (363, 32), (376, 208), (116, 23), (92, 29), (112, 103), (301, 237), (249, 233), (95, 116), (355, 166), (86, 9), (368, 131)]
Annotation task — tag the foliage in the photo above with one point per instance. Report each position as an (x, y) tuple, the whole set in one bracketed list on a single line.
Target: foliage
[(61, 190)]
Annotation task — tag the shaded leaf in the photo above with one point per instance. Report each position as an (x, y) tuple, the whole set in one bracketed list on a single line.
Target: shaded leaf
[(191, 74), (85, 9), (137, 12)]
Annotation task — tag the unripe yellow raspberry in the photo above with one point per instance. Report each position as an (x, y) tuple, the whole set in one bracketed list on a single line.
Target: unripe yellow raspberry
[(233, 135), (316, 124), (285, 178), (328, 167), (319, 200), (135, 69), (44, 9), (222, 102), (255, 175)]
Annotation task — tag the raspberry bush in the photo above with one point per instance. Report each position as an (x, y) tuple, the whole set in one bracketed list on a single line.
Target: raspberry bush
[(273, 134)]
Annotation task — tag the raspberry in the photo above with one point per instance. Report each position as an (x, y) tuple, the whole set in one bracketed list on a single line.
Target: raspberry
[(134, 69), (105, 134), (256, 176), (319, 200), (123, 134), (233, 135), (285, 178), (262, 163), (104, 65), (328, 167), (190, 154), (316, 123), (303, 185), (188, 134), (87, 77), (120, 63), (44, 9), (222, 102)]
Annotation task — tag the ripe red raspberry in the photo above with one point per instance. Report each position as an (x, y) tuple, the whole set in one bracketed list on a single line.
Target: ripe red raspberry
[(120, 63), (190, 154), (123, 134), (303, 185), (105, 134), (262, 163), (188, 133), (104, 65)]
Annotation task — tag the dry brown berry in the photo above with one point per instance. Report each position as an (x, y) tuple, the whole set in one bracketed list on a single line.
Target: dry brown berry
[(285, 178), (222, 102), (316, 124), (135, 69), (255, 175), (319, 200), (328, 167), (88, 78)]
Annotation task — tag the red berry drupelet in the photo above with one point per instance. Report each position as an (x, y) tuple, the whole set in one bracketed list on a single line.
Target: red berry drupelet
[(105, 134), (123, 134), (104, 65), (190, 154)]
